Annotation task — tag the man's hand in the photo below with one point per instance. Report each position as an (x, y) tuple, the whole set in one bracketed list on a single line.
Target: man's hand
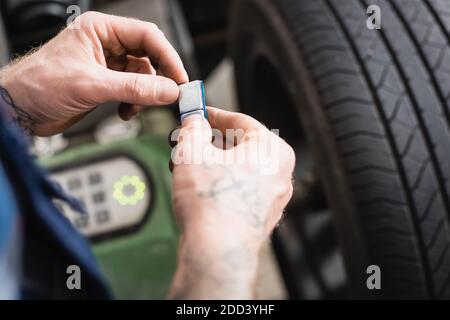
[(108, 58), (227, 208)]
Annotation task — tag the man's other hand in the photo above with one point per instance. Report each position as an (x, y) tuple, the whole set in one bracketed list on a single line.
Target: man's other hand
[(227, 198), (101, 58)]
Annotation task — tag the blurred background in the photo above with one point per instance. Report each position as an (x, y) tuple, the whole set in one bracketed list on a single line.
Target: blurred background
[(119, 169)]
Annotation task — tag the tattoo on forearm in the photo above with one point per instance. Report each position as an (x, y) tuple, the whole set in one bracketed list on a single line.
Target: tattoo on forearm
[(21, 117), (229, 274), (241, 196)]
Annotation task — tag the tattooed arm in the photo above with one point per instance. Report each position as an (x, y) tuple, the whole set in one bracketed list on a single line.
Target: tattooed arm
[(212, 271), (214, 261), (226, 209), (14, 112)]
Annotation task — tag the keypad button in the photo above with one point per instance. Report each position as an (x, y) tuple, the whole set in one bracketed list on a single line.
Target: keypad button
[(74, 184), (95, 178), (82, 221), (102, 216), (98, 197)]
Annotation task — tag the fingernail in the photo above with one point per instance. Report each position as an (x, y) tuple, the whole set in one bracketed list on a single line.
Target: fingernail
[(168, 91), (191, 118)]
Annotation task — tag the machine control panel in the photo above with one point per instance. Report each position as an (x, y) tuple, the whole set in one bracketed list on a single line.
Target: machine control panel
[(116, 193)]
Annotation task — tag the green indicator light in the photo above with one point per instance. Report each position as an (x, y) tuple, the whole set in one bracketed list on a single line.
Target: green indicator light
[(129, 190)]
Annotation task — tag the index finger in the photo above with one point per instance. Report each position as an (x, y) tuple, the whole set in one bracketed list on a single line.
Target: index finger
[(143, 38)]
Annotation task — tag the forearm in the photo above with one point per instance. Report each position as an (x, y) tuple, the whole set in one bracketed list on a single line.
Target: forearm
[(224, 224), (209, 270)]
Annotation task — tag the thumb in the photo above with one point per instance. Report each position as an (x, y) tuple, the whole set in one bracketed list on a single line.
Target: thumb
[(195, 131), (194, 139), (138, 89)]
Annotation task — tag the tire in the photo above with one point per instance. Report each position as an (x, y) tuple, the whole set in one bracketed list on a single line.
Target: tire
[(374, 108)]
